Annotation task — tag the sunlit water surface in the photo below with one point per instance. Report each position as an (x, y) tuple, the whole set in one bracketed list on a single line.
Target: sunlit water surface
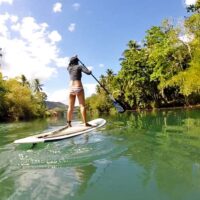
[(152, 155)]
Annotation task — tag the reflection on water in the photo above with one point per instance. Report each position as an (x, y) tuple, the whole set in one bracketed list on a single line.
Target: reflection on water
[(135, 156)]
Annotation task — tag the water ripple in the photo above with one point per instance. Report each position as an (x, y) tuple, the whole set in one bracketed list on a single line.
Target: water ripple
[(72, 152)]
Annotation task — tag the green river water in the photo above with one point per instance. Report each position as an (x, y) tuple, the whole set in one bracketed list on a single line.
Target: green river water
[(141, 156)]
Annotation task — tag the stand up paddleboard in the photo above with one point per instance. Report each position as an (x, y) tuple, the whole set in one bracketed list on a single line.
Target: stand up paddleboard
[(62, 133)]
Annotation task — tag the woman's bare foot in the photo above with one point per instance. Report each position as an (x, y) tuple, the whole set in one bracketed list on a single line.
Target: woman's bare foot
[(89, 125), (69, 124)]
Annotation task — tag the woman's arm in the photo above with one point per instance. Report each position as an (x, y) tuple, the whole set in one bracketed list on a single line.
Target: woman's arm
[(85, 70)]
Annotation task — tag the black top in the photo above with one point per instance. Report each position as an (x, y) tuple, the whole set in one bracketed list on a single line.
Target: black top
[(75, 72)]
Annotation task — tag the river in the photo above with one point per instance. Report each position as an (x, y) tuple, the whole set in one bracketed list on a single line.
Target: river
[(147, 155)]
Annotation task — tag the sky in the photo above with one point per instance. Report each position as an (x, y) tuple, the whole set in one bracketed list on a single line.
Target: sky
[(38, 37)]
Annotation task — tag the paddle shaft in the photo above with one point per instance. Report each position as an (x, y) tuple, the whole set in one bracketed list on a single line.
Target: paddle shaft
[(96, 80), (116, 103)]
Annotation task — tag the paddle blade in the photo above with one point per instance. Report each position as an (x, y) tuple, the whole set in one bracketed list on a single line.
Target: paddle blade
[(119, 106)]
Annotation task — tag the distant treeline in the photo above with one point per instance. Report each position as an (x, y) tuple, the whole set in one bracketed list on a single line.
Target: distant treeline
[(21, 100), (162, 71)]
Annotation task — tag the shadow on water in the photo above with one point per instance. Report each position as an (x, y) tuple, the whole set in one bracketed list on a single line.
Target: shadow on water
[(142, 155)]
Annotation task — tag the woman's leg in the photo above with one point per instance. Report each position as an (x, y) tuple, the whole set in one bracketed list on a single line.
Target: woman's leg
[(72, 99), (81, 99)]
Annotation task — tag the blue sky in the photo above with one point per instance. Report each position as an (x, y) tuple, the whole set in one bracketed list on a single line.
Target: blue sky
[(39, 36)]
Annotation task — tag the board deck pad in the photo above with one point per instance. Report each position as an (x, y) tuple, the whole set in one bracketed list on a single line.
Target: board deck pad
[(63, 133)]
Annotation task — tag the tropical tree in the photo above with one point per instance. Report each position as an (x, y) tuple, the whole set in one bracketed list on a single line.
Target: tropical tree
[(2, 96), (188, 80), (17, 101), (24, 81), (168, 56), (37, 86), (19, 104), (160, 72), (98, 102), (194, 7), (134, 77)]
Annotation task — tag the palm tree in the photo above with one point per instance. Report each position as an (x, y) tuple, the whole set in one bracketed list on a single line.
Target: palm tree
[(37, 85), (24, 81), (110, 73), (133, 45)]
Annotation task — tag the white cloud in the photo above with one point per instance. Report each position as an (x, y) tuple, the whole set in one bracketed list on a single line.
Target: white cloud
[(29, 48), (90, 68), (57, 7), (190, 2), (72, 27), (101, 65), (13, 18), (54, 36), (6, 1), (62, 62), (89, 89), (59, 96), (76, 6), (3, 27)]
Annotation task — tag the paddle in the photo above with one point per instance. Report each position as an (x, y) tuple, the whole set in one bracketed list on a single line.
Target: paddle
[(118, 105)]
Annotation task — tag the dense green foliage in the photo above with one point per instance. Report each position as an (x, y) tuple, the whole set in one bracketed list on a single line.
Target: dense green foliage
[(18, 100), (162, 71)]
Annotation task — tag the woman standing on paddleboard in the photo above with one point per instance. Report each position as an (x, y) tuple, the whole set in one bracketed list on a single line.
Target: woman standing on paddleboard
[(76, 89)]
